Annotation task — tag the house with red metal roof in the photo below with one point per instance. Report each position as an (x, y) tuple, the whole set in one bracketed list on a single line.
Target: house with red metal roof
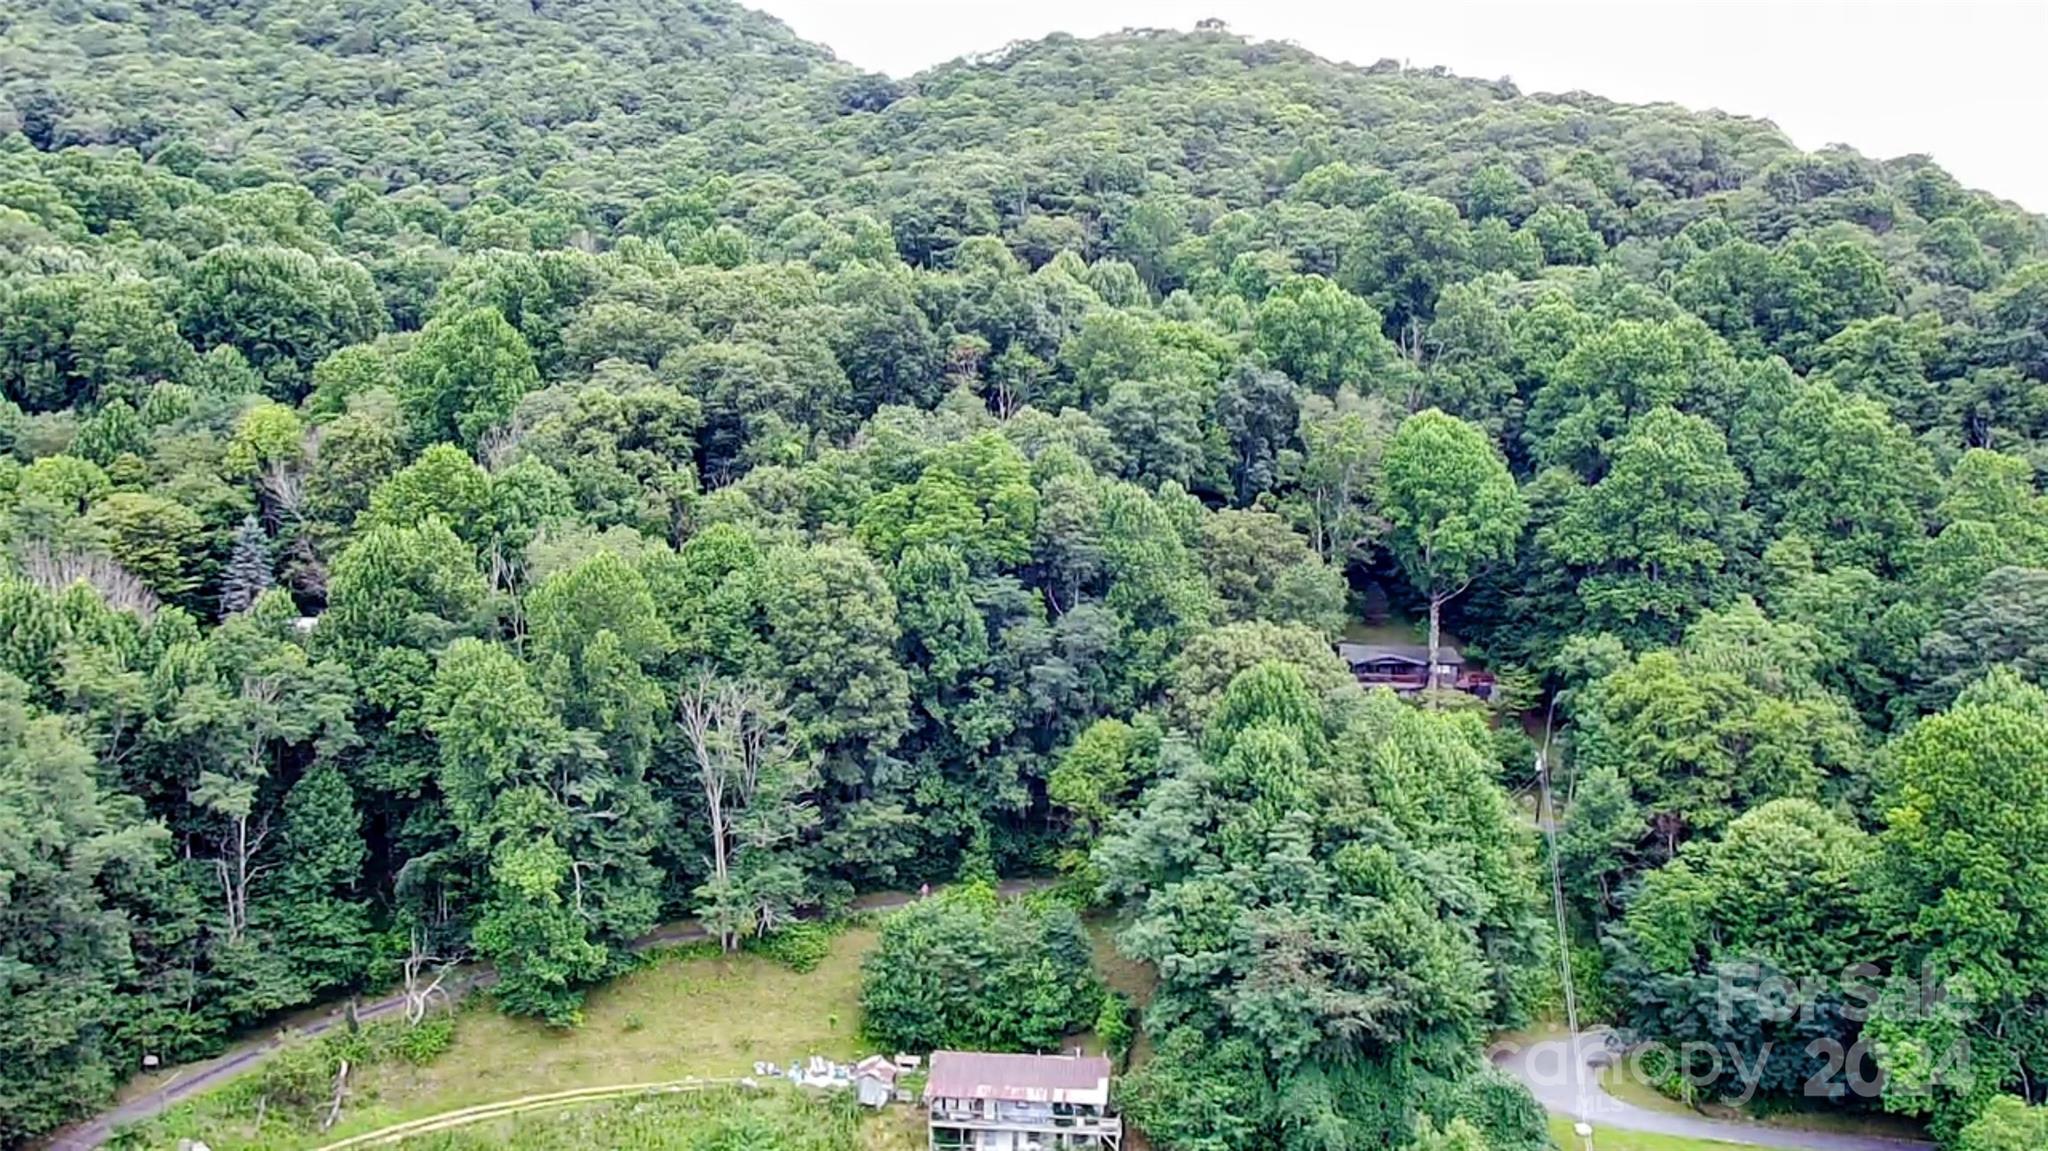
[(986, 1102)]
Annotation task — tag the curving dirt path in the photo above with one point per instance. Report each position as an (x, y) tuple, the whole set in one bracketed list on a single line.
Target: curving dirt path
[(1565, 1083), (504, 1109), (92, 1133)]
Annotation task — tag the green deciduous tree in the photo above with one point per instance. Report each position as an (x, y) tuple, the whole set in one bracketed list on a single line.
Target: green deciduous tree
[(464, 376), (2001, 625), (1258, 411), (1838, 470), (1409, 247), (318, 910), (159, 541), (1599, 379), (1782, 899), (443, 485), (828, 646), (521, 795), (1563, 232), (1965, 885), (2007, 1124), (1158, 424), (283, 310), (266, 435), (1263, 569), (1451, 506), (1339, 474), (1729, 720), (400, 587), (1279, 883), (1991, 517), (983, 434), (963, 971), (68, 847), (1197, 1094), (1324, 337), (1657, 536), (1096, 775)]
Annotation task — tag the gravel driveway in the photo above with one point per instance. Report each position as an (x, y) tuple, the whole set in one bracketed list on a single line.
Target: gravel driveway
[(1565, 1083)]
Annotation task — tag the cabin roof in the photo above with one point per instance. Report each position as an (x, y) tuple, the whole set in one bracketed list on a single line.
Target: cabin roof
[(1415, 653), (1082, 1079), (875, 1067)]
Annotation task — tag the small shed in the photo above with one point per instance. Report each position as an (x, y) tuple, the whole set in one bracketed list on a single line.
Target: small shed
[(874, 1080)]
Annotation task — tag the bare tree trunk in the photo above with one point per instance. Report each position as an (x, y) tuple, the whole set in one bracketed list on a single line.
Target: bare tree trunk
[(238, 870), (238, 893), (703, 710), (1436, 643), (417, 997), (242, 841), (340, 1092), (732, 731)]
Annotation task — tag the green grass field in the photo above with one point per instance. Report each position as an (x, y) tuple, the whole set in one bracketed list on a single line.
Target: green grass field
[(1605, 1139), (778, 1117), (684, 1014)]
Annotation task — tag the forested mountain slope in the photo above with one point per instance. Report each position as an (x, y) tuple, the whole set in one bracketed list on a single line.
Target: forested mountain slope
[(453, 96), (436, 437)]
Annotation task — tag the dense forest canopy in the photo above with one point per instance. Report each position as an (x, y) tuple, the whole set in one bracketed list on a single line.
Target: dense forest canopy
[(481, 478)]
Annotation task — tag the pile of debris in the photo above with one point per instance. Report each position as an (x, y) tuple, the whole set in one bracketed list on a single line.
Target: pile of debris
[(873, 1078)]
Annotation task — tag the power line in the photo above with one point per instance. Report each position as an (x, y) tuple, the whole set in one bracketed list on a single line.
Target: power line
[(1546, 818)]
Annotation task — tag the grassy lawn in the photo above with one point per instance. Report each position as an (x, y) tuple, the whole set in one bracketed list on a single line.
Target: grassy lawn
[(779, 1117), (1618, 1082), (686, 1013), (1606, 1139)]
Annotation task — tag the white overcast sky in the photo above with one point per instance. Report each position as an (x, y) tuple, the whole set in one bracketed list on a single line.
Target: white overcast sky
[(1965, 81)]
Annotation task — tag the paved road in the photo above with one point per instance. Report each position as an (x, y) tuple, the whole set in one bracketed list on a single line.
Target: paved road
[(1564, 1082), (93, 1132)]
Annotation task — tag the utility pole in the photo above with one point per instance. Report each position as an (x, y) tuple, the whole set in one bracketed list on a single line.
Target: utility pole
[(1546, 817)]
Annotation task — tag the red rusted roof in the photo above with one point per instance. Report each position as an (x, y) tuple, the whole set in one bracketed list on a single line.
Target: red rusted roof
[(877, 1067), (1019, 1078)]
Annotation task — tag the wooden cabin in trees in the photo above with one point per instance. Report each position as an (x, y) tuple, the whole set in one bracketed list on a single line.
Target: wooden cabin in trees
[(985, 1102), (1405, 668)]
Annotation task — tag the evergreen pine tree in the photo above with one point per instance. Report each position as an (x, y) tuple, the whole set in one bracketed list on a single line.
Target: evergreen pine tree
[(321, 925), (248, 574)]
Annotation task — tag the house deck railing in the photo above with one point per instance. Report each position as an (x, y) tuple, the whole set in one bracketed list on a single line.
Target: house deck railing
[(1392, 677), (1026, 1120), (1478, 683)]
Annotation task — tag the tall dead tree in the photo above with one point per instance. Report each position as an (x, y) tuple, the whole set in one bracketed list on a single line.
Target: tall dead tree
[(419, 989), (753, 787), (233, 796)]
